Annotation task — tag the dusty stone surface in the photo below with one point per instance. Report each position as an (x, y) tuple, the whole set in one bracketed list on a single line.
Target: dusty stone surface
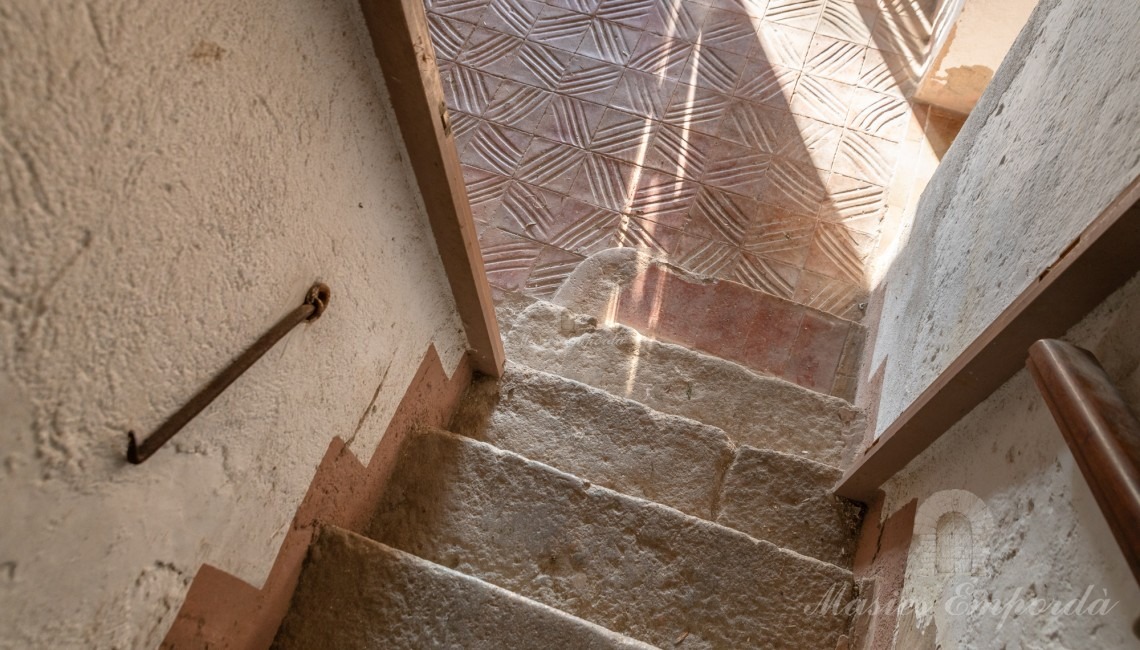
[(787, 500), (597, 281), (357, 593), (1051, 143), (176, 176), (754, 409), (633, 566), (613, 442)]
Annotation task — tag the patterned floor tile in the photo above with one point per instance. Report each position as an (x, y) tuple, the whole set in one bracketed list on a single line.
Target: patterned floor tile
[(539, 65), (782, 45), (630, 13), (528, 211), (836, 59), (623, 136), (663, 198), (587, 228), (846, 20), (741, 171), (766, 129), (604, 182), (839, 253), (514, 17), (794, 186), (518, 106), (550, 270), (679, 151), (680, 19), (721, 216), (660, 55), (646, 235), (609, 42), (490, 51), (697, 109), (448, 35), (766, 275), (580, 6), (803, 14), (642, 93), (769, 84), (878, 114), (835, 297), (889, 73), (729, 31), (484, 191), (463, 127), (705, 256), (822, 99), (589, 79), (559, 28), (549, 164), (469, 90), (713, 69), (466, 10), (496, 148), (816, 143), (507, 258), (570, 120), (856, 204), (780, 235), (866, 157), (902, 30), (752, 8)]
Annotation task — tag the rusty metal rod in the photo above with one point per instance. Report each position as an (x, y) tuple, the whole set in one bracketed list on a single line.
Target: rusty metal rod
[(315, 303)]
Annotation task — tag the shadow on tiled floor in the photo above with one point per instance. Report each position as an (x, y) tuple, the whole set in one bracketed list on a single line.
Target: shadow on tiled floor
[(750, 140)]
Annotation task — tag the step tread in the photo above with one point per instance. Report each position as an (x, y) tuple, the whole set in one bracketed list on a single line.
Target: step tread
[(753, 409), (355, 592), (633, 566), (614, 442)]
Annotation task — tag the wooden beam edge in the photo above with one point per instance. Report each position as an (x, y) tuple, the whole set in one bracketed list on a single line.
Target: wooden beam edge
[(400, 39), (1086, 272)]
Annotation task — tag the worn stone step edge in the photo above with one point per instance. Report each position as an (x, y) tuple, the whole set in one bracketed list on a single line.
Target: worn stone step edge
[(753, 409), (634, 566), (355, 591), (675, 461)]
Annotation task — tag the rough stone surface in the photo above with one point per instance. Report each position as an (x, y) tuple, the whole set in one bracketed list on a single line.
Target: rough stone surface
[(607, 440), (358, 593), (1035, 530), (1053, 140), (633, 566), (175, 177), (787, 500), (755, 410)]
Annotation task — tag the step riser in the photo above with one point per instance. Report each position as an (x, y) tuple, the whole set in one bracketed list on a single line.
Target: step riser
[(634, 567)]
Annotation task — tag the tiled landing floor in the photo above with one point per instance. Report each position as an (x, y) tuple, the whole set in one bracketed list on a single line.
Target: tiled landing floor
[(751, 140)]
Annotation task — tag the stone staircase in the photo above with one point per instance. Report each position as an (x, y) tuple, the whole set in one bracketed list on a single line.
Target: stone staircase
[(609, 491)]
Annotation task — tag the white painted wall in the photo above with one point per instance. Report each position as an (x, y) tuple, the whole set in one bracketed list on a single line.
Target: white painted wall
[(1048, 538), (1054, 139), (175, 175)]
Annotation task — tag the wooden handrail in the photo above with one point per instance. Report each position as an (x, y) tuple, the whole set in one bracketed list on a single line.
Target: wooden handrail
[(1101, 431)]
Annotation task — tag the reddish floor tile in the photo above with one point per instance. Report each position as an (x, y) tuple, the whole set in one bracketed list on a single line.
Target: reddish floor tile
[(771, 333), (507, 258), (684, 310), (551, 268), (814, 356)]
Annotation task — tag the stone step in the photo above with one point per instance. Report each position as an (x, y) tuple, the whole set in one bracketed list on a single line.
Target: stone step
[(753, 409), (357, 593), (757, 329), (636, 567), (607, 440), (630, 448), (788, 500)]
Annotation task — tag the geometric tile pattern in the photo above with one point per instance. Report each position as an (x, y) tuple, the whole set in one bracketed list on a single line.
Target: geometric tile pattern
[(751, 140)]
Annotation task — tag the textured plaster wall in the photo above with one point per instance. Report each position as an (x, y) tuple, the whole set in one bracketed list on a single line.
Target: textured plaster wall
[(1054, 139), (1046, 536), (175, 175), (962, 64)]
